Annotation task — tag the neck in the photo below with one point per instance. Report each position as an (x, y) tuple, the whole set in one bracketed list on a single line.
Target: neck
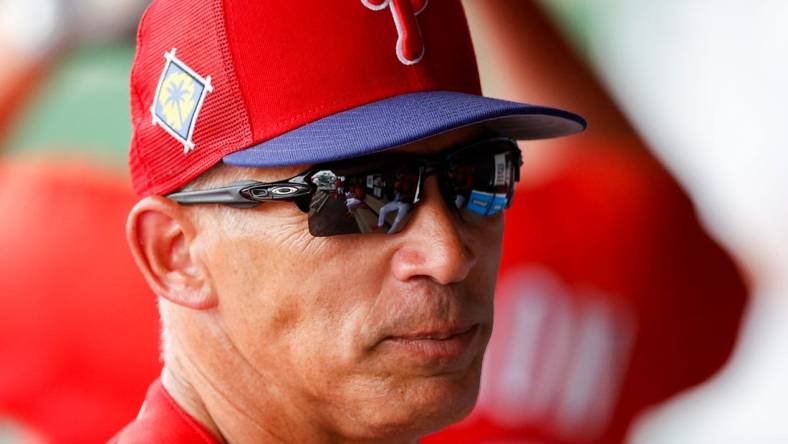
[(188, 399), (224, 416), (240, 419)]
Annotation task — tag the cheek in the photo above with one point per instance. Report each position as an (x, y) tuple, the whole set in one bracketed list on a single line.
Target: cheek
[(485, 241), (293, 305), (336, 295)]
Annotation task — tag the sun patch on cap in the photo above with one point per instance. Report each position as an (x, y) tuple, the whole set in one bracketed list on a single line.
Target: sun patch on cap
[(179, 96)]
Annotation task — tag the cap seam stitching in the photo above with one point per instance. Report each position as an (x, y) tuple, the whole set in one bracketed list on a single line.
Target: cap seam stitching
[(229, 61), (136, 97), (136, 152)]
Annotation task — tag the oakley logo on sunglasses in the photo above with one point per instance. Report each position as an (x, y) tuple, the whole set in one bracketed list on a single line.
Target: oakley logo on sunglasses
[(283, 191), (410, 45), (275, 191)]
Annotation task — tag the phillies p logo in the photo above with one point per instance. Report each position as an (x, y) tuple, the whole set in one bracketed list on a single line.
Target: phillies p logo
[(410, 46)]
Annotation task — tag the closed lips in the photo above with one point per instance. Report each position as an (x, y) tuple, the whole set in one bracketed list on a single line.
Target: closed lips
[(434, 335)]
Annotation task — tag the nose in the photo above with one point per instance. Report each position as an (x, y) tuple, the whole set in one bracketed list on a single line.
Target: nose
[(432, 243)]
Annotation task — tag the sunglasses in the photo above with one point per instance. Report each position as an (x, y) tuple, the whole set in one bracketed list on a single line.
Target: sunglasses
[(377, 193)]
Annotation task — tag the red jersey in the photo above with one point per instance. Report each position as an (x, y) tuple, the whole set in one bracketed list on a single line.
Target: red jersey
[(162, 420), (611, 297)]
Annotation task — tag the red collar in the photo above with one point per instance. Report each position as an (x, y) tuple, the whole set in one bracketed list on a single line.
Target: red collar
[(163, 420)]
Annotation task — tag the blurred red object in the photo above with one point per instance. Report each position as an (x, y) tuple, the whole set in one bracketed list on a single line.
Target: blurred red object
[(78, 324), (611, 297)]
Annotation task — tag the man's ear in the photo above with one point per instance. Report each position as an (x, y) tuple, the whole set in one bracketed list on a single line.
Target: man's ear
[(161, 238)]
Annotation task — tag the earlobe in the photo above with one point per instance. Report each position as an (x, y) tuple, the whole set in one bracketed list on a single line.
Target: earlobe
[(162, 237)]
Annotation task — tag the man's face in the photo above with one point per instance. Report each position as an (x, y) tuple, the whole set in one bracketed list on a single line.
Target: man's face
[(365, 334)]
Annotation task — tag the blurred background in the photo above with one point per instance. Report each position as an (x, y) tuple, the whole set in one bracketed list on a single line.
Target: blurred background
[(643, 295)]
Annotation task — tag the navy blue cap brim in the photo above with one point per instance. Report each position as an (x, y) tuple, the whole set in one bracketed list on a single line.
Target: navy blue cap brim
[(403, 119)]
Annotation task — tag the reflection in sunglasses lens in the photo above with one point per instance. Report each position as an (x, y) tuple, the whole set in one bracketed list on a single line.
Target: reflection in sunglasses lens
[(379, 198), (481, 184), (377, 201)]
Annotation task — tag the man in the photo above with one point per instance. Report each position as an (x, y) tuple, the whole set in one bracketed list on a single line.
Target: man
[(266, 338)]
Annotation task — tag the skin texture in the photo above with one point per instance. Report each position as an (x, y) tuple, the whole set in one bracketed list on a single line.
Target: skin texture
[(274, 335)]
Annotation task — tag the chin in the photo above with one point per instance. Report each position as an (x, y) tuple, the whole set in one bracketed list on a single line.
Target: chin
[(446, 399), (423, 405)]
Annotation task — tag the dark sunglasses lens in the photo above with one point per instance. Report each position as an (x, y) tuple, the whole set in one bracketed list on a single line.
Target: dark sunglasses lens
[(363, 198), (377, 195), (480, 181)]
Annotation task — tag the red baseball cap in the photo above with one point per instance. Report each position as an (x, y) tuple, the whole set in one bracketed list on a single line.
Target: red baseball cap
[(270, 83)]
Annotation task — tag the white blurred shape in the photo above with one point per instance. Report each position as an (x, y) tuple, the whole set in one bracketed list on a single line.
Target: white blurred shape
[(706, 82), (30, 26), (103, 19)]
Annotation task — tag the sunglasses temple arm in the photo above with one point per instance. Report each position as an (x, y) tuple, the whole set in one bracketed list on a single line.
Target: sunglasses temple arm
[(230, 195)]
